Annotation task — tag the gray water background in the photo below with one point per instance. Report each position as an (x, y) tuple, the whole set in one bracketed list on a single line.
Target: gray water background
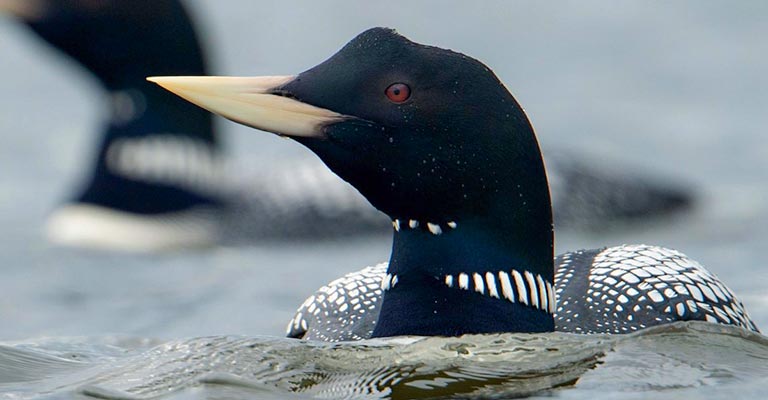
[(678, 89)]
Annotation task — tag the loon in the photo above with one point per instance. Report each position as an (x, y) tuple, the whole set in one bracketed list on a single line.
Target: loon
[(153, 181), (434, 140)]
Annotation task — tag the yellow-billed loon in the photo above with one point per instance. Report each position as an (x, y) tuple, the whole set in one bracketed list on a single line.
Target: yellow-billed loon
[(434, 140)]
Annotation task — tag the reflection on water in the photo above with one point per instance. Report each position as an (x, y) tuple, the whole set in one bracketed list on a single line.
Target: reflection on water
[(679, 356)]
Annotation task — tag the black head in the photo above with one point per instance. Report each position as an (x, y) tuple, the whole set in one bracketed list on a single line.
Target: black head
[(424, 133), (452, 147)]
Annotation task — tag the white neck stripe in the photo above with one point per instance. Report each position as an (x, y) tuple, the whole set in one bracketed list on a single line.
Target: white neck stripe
[(433, 228), (388, 281)]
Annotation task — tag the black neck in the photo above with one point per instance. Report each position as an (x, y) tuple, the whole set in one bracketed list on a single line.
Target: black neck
[(421, 303), (508, 228)]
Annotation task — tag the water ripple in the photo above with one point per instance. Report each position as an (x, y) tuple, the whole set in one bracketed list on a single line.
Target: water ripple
[(675, 357)]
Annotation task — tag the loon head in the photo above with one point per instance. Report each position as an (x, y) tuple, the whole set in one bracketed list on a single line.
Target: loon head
[(430, 137), (424, 133)]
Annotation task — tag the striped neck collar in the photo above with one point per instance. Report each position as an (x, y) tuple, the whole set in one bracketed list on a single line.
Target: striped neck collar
[(525, 288), (475, 254)]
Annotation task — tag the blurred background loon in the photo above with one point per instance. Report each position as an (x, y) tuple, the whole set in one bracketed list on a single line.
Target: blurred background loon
[(158, 178)]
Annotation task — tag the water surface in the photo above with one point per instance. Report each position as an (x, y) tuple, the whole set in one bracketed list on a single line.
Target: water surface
[(685, 357)]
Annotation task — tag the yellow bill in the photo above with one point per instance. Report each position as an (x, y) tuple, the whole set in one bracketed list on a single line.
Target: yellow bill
[(250, 101)]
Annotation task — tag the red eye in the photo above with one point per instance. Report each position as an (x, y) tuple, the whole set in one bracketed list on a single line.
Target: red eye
[(398, 92)]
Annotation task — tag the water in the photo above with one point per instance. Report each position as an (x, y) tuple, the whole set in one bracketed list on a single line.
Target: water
[(684, 358), (678, 89)]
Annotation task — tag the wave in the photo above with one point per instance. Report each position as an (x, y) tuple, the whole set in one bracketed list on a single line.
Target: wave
[(686, 356)]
